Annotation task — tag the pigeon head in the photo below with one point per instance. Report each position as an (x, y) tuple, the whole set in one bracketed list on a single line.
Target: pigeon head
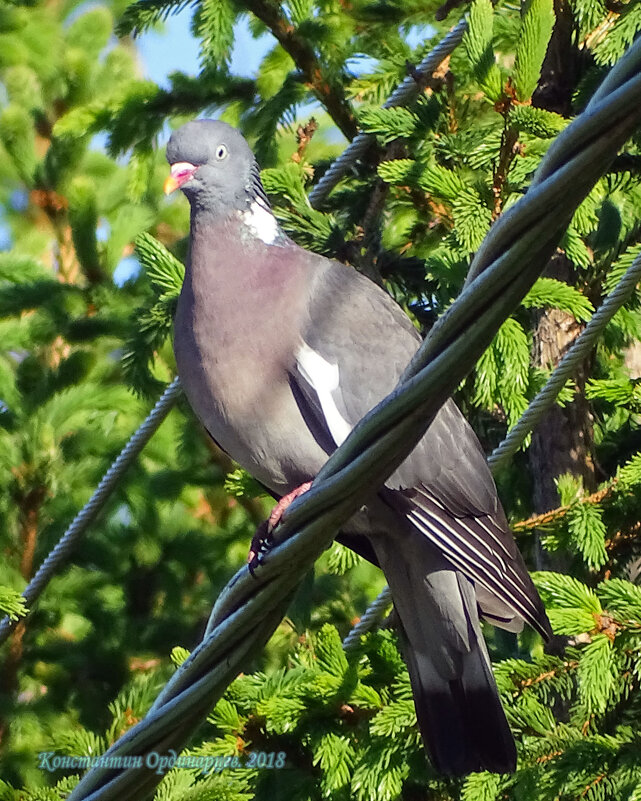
[(214, 166)]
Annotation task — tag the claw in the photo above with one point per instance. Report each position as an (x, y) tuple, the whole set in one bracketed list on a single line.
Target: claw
[(262, 539), (259, 546)]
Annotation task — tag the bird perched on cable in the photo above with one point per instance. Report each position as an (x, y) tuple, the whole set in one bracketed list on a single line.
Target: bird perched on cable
[(281, 352)]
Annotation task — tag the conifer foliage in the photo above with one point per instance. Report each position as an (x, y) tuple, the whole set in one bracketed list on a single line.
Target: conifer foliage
[(90, 271)]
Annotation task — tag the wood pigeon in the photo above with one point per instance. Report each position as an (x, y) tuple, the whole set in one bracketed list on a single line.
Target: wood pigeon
[(281, 352)]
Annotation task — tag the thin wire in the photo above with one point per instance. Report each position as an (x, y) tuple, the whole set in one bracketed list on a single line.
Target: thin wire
[(576, 354), (403, 94), (87, 514), (371, 617)]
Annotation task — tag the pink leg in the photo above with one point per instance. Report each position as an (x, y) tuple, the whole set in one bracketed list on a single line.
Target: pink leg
[(278, 511), (260, 539)]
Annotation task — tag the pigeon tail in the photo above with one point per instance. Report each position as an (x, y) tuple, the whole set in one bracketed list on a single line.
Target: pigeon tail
[(457, 702), (462, 721)]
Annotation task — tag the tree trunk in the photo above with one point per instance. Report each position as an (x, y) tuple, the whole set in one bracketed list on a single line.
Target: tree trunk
[(563, 440)]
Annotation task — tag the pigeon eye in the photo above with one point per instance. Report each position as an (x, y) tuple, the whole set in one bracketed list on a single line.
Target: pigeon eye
[(221, 152)]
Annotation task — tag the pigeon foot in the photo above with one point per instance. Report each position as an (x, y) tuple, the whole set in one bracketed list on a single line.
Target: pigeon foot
[(262, 539)]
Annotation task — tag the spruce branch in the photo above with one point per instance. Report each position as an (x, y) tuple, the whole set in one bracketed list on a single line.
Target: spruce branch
[(87, 514), (328, 91), (133, 115), (554, 515), (536, 29), (143, 14), (621, 539), (508, 151), (402, 95)]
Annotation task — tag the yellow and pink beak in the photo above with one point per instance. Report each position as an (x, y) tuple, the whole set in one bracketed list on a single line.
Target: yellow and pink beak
[(181, 172)]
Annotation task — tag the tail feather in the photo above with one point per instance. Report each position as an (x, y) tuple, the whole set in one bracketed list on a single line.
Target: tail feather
[(457, 702), (483, 549), (462, 721)]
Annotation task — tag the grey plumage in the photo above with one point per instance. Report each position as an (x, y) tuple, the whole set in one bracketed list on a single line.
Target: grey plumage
[(281, 352)]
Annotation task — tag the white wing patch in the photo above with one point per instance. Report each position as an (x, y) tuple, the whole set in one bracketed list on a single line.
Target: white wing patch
[(262, 222), (324, 378)]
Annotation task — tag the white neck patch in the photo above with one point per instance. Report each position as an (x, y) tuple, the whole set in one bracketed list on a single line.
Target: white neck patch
[(262, 222)]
